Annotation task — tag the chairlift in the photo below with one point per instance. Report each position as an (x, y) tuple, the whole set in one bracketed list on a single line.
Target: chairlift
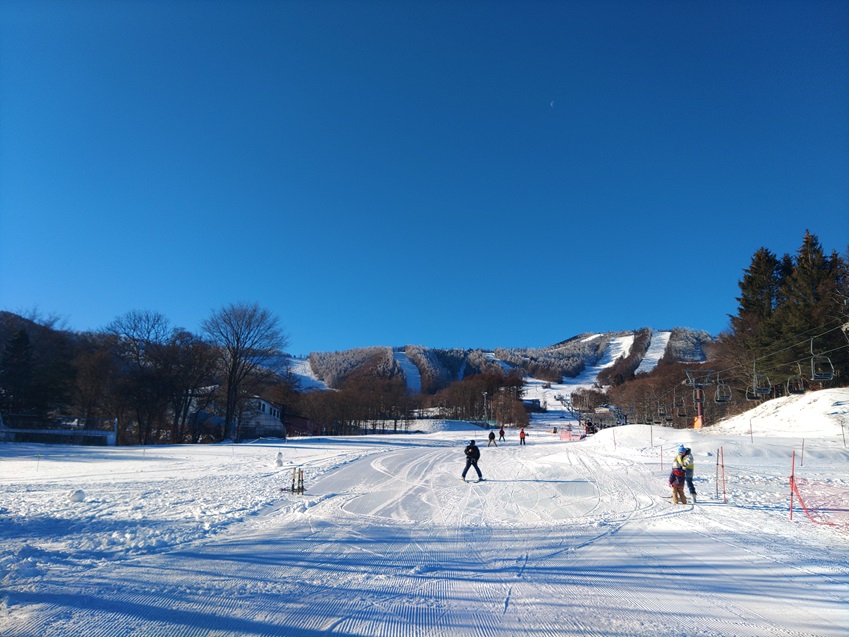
[(723, 393), (661, 410), (760, 383), (751, 394), (821, 367), (680, 407), (795, 383)]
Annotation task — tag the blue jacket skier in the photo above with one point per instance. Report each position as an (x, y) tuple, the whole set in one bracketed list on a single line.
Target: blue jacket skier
[(473, 454)]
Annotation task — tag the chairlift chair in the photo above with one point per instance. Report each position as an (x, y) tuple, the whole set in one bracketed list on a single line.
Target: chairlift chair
[(821, 367), (723, 393), (751, 394), (762, 385), (760, 382), (795, 383), (680, 407)]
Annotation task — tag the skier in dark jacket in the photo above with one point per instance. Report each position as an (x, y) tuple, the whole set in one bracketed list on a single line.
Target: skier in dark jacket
[(473, 454), (676, 481), (492, 439)]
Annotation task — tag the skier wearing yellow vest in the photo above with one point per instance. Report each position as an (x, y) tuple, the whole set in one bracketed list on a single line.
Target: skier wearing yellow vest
[(684, 461)]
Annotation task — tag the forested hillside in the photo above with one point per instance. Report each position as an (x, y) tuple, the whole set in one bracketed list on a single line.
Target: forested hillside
[(790, 334), (566, 359)]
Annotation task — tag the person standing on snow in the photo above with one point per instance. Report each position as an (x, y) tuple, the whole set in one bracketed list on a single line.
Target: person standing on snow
[(684, 461), (676, 481), (491, 439), (501, 435), (522, 435), (473, 454)]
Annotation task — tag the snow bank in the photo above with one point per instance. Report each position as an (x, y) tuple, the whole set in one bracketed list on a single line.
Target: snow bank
[(820, 413)]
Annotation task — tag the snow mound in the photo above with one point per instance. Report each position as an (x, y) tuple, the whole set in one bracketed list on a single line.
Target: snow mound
[(814, 414), (77, 495)]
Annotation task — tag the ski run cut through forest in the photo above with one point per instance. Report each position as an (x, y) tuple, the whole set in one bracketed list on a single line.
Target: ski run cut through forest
[(566, 536)]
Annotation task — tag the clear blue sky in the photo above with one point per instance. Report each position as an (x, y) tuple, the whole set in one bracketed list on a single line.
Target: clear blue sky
[(442, 173)]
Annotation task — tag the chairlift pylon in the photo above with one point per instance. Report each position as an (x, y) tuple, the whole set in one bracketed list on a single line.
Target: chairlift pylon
[(698, 397)]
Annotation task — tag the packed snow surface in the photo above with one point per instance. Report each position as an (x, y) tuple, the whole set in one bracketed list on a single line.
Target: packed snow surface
[(656, 350), (411, 372), (563, 538), (300, 368)]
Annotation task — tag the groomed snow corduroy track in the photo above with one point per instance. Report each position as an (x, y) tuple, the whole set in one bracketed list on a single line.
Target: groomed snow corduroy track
[(562, 539)]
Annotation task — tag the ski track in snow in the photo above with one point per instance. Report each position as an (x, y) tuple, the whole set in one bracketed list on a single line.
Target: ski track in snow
[(561, 539)]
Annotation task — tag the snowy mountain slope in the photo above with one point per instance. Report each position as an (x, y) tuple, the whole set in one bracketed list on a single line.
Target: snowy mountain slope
[(548, 393), (300, 368), (563, 358), (657, 348), (564, 538), (411, 372)]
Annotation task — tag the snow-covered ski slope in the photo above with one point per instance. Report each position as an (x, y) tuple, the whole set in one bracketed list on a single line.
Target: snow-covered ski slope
[(300, 367), (657, 348), (564, 538), (411, 372), (548, 393), (620, 346)]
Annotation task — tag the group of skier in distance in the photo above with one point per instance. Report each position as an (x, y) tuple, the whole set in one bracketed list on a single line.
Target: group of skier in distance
[(473, 452), (683, 466)]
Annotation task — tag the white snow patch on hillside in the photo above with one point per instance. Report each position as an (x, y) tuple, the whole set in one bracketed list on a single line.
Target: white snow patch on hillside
[(547, 393), (302, 369), (411, 372), (505, 367), (657, 348)]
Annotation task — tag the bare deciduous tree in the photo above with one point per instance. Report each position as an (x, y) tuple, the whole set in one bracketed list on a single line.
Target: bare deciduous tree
[(246, 337), (140, 338)]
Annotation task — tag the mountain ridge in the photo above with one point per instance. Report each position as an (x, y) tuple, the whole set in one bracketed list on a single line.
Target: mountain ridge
[(437, 367)]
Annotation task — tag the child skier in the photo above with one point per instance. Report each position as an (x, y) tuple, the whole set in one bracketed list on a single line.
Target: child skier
[(676, 481)]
